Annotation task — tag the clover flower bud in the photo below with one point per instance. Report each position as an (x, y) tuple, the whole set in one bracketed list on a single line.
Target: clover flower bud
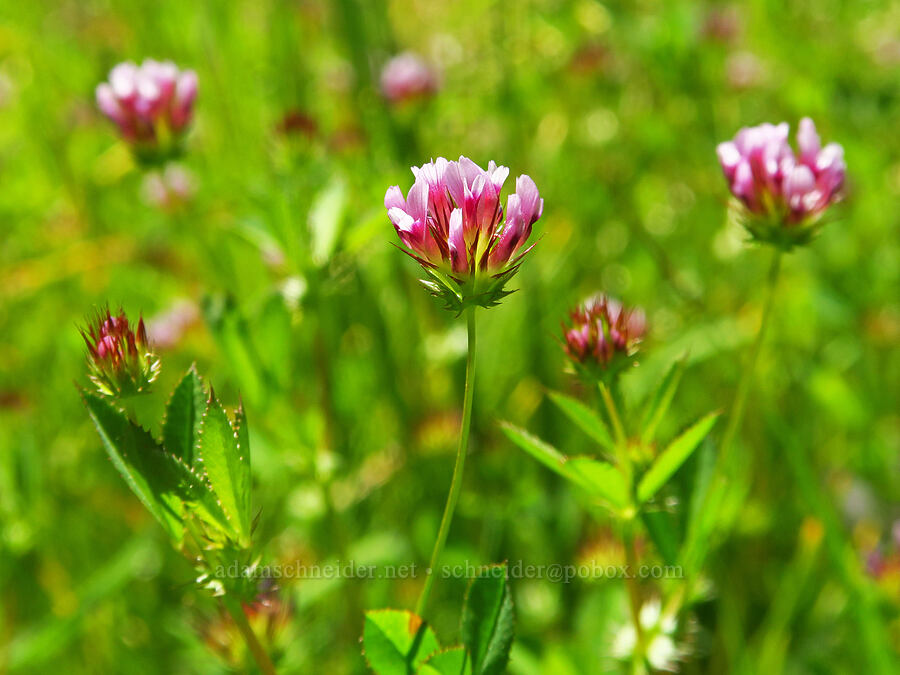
[(452, 222), (603, 337), (151, 104), (782, 194), (407, 77), (120, 360)]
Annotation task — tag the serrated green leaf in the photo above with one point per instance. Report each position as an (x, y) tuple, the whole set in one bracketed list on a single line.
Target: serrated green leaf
[(661, 400), (674, 456), (183, 414), (600, 479), (198, 495), (450, 661), (488, 622), (225, 467), (586, 419), (397, 642), (242, 435), (141, 462)]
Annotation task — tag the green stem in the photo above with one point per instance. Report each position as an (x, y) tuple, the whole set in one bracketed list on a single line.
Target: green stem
[(235, 610), (634, 596), (456, 483), (736, 415), (608, 394), (240, 619), (614, 417), (698, 540)]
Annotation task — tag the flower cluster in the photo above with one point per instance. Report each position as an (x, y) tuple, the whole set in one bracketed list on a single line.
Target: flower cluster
[(120, 360), (603, 336), (783, 193), (407, 77), (152, 104), (453, 224)]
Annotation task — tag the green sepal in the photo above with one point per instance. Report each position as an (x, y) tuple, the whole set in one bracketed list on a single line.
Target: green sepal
[(458, 294), (772, 229)]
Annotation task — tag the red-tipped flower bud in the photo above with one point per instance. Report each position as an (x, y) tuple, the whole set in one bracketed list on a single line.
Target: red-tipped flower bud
[(120, 360), (603, 337)]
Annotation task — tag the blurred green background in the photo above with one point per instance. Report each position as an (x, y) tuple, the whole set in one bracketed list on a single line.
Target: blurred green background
[(279, 279)]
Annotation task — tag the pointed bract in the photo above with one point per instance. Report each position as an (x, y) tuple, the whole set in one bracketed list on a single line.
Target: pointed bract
[(120, 359)]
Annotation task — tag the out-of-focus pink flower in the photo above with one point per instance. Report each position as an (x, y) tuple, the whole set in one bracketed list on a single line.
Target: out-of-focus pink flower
[(166, 329), (603, 336), (406, 77), (744, 70), (781, 189), (452, 222), (152, 104), (170, 188), (722, 24), (120, 359)]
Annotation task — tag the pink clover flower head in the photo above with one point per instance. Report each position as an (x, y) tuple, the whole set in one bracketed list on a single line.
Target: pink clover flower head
[(407, 77), (782, 193), (603, 337), (453, 223), (151, 104)]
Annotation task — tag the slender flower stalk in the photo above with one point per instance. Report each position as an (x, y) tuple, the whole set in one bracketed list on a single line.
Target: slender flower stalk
[(634, 600), (456, 482), (783, 196), (453, 224), (736, 415), (236, 610)]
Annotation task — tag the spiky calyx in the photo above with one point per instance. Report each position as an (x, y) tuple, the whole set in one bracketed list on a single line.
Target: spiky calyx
[(120, 359)]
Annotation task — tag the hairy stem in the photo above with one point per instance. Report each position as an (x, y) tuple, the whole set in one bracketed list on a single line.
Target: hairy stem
[(456, 483)]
